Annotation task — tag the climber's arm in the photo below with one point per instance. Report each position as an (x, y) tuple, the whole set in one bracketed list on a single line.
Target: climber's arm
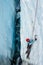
[(32, 41)]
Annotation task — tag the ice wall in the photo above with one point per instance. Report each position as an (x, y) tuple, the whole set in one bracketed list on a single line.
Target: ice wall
[(7, 15), (27, 16)]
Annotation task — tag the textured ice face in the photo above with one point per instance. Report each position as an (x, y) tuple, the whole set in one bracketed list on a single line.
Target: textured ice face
[(7, 15), (27, 16)]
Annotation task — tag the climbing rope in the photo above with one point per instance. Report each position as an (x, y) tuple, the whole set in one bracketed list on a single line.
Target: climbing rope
[(33, 36), (35, 19)]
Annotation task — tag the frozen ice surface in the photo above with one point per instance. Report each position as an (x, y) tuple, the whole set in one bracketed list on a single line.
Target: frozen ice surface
[(6, 26), (27, 16), (4, 60)]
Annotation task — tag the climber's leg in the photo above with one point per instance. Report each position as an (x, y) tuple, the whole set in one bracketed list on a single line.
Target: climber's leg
[(28, 50)]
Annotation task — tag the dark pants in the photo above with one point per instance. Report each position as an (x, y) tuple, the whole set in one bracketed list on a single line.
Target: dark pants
[(28, 50)]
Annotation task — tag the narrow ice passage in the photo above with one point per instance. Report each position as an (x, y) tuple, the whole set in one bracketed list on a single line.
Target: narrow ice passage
[(27, 16)]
